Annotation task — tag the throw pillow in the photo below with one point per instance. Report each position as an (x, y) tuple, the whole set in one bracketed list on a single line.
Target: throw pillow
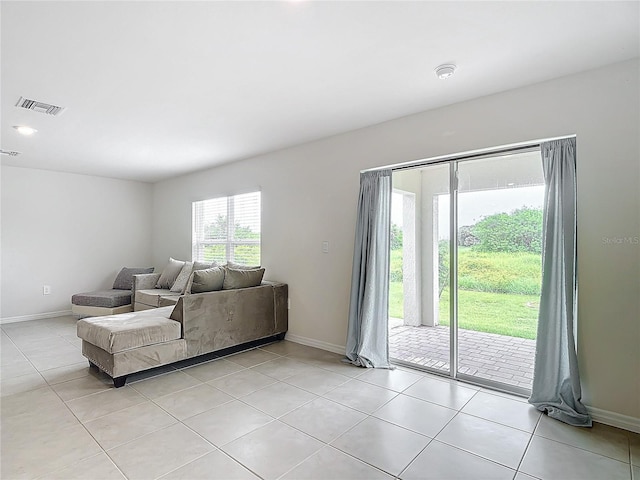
[(238, 266), (170, 273), (208, 280), (187, 287), (124, 280), (197, 265), (235, 278), (183, 277)]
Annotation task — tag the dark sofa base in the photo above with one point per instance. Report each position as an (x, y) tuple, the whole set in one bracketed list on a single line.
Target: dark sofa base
[(225, 352)]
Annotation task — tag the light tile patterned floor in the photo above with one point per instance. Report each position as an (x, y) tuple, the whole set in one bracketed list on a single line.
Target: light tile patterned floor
[(486, 355), (282, 411)]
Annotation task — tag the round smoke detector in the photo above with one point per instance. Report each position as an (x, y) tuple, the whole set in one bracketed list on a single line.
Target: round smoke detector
[(445, 71)]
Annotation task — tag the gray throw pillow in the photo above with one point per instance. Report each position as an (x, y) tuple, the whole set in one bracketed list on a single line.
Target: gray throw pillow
[(238, 266), (170, 273), (197, 265), (234, 278), (124, 280), (208, 280), (183, 277)]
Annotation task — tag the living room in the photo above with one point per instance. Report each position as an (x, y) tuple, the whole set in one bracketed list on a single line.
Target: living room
[(73, 231)]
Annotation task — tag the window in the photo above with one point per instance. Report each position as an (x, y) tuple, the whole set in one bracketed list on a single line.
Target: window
[(227, 229)]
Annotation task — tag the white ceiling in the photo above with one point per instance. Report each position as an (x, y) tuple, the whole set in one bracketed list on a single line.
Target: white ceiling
[(157, 89)]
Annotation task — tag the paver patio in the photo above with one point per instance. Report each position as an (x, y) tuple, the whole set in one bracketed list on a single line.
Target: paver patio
[(486, 355)]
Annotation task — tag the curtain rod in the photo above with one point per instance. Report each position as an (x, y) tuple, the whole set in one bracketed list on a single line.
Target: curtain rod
[(486, 152), (493, 153)]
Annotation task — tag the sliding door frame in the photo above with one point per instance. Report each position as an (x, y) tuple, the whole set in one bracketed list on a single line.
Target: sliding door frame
[(453, 162), (453, 269)]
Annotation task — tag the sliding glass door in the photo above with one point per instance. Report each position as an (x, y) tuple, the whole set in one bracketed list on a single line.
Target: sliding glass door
[(465, 268), (420, 227)]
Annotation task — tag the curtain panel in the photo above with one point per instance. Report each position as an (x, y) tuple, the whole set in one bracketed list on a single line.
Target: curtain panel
[(556, 381), (367, 335)]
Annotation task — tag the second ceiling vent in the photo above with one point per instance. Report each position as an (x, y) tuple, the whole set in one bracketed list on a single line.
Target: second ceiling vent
[(39, 107)]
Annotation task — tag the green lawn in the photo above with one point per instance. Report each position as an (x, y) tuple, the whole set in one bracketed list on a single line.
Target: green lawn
[(502, 313), (499, 272), (396, 307), (499, 292)]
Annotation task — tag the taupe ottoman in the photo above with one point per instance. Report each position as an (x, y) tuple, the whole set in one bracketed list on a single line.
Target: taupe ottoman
[(123, 344)]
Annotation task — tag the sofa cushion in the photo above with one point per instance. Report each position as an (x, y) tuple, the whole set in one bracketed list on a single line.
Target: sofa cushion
[(234, 278), (169, 274), (152, 296), (103, 298), (207, 280), (124, 280), (198, 266), (117, 333), (183, 277)]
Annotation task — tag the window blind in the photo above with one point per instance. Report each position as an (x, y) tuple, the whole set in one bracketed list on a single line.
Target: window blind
[(227, 229)]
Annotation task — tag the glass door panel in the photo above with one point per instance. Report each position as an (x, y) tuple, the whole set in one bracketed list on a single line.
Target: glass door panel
[(419, 285), (499, 215)]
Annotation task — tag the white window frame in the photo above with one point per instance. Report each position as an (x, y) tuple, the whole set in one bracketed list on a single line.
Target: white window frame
[(199, 243)]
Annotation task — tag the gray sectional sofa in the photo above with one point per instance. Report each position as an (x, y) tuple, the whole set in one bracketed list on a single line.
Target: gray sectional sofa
[(198, 324)]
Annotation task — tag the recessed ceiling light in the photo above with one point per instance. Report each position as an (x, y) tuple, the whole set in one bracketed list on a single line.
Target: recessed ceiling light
[(24, 130), (445, 71)]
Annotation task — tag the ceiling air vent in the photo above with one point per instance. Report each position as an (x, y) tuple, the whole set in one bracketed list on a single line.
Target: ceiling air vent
[(39, 107), (11, 153)]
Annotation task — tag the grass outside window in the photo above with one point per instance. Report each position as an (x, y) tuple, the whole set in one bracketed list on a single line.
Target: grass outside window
[(499, 292)]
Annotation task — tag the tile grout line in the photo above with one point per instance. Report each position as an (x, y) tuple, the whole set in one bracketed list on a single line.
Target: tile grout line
[(580, 448), (217, 448), (526, 449), (28, 360), (85, 429), (316, 397)]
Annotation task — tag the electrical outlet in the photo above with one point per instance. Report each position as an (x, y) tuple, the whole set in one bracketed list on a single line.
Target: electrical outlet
[(288, 304), (325, 247), (46, 289)]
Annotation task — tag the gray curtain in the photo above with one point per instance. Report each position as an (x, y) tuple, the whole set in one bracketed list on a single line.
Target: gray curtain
[(556, 382), (367, 335)]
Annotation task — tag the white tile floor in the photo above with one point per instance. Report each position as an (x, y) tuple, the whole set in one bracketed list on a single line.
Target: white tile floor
[(281, 411)]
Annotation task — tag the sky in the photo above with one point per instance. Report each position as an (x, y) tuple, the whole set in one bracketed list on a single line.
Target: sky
[(472, 206)]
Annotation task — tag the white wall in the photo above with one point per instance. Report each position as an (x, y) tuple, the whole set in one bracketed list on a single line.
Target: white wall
[(310, 194), (72, 232)]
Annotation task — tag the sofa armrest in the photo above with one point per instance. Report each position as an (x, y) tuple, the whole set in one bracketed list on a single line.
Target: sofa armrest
[(144, 281)]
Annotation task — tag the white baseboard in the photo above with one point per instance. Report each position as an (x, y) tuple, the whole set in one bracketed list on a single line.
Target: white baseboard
[(614, 419), (331, 347), (37, 316)]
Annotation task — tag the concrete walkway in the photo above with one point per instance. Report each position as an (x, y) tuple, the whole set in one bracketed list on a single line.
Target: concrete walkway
[(486, 355)]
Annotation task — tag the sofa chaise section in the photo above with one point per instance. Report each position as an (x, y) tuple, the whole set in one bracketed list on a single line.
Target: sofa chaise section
[(131, 342)]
